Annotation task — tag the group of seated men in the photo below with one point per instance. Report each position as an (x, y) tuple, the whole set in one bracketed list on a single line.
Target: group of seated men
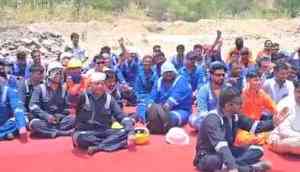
[(241, 103)]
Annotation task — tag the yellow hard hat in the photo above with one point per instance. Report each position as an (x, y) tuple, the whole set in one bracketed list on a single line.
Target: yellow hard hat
[(116, 125), (142, 135), (74, 63)]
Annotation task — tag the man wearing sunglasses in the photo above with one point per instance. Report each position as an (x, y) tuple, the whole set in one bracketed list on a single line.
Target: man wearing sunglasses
[(207, 95)]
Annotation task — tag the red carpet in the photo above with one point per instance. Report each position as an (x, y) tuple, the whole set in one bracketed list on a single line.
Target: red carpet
[(58, 155)]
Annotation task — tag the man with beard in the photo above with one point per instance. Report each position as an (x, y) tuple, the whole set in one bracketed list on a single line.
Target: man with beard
[(279, 87), (207, 96), (94, 117)]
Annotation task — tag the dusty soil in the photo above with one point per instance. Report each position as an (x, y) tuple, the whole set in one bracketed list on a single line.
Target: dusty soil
[(144, 34)]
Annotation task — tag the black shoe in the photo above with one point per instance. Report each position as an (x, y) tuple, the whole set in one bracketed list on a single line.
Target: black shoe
[(92, 150), (262, 166)]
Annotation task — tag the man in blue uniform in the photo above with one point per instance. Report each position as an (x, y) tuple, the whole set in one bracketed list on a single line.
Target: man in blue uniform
[(12, 118), (172, 100)]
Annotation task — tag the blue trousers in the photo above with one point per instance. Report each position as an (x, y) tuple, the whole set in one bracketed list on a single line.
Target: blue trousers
[(9, 127)]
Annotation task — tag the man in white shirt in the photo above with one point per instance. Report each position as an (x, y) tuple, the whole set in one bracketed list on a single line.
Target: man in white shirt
[(286, 137), (75, 49), (279, 87)]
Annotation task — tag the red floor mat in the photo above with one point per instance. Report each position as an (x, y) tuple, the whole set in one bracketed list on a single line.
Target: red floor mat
[(58, 155)]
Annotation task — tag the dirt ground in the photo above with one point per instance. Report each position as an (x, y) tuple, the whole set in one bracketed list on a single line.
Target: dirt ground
[(144, 34)]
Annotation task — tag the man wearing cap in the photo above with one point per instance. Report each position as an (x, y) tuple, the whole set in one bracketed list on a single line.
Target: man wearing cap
[(177, 59), (76, 83), (267, 51), (215, 148), (26, 86), (207, 95), (144, 82), (286, 137), (94, 117), (49, 107), (193, 73), (171, 94), (279, 87)]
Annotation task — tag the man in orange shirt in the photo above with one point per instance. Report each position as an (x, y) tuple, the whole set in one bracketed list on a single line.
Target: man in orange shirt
[(75, 83), (257, 105)]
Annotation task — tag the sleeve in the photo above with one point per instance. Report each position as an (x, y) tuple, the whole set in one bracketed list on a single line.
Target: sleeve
[(266, 88), (253, 127), (120, 116), (16, 105), (21, 90), (202, 98), (213, 126), (35, 102), (180, 92), (154, 92), (201, 77), (120, 75), (138, 87), (269, 103)]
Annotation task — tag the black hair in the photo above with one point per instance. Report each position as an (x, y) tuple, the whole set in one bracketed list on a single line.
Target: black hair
[(180, 46), (227, 94), (21, 55), (217, 65), (34, 51), (74, 35), (2, 63), (260, 60), (111, 75), (297, 84), (281, 66), (252, 73)]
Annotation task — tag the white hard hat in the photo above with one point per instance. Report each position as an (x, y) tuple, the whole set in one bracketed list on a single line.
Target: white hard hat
[(177, 136), (54, 65)]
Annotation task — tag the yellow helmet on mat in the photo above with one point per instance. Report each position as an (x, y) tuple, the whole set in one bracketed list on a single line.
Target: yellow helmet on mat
[(142, 135), (74, 63)]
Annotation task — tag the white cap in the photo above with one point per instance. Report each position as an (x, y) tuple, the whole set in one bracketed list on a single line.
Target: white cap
[(97, 76), (177, 136), (168, 67)]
